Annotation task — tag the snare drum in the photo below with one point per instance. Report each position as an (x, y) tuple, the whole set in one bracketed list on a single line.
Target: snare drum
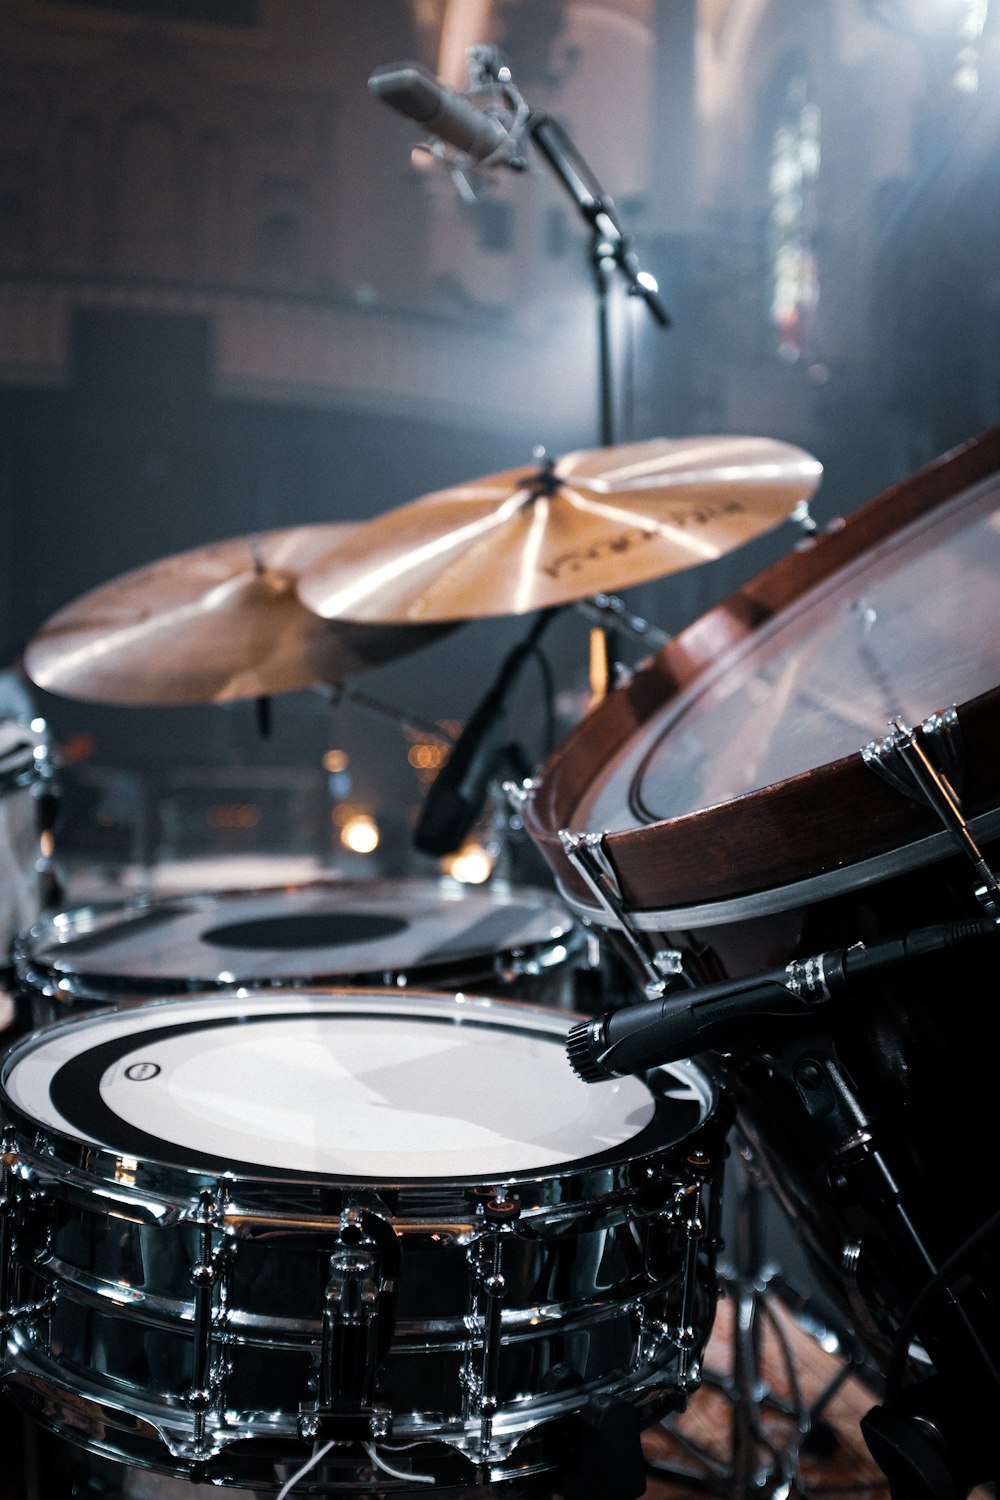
[(718, 814), (440, 935), (237, 1226)]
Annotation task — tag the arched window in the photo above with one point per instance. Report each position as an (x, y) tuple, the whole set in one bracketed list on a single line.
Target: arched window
[(793, 175)]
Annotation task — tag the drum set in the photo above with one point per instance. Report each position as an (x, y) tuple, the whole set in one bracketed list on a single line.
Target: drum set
[(302, 1193)]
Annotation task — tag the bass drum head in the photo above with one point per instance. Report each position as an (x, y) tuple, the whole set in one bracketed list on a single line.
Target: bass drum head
[(189, 1179), (425, 933), (743, 827)]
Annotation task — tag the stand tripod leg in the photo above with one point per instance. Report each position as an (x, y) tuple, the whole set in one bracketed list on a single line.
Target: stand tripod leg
[(763, 1456)]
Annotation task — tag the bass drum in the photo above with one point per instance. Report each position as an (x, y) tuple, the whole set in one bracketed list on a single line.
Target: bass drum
[(240, 1229), (718, 808), (508, 941)]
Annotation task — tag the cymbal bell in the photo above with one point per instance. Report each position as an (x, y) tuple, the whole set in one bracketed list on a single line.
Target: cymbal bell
[(591, 522), (217, 623)]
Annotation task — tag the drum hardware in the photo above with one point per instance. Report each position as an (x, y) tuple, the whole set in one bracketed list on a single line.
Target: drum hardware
[(688, 1211), (931, 769), (803, 518), (343, 692), (499, 1211), (29, 806), (758, 1461), (714, 1016), (955, 1345), (209, 1368), (913, 1446), (357, 1326), (609, 610), (586, 854), (855, 1161)]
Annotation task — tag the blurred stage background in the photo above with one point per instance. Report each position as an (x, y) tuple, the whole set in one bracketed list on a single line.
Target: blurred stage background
[(232, 300)]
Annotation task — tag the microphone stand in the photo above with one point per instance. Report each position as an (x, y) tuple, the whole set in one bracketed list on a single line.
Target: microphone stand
[(759, 1457), (339, 692), (610, 250)]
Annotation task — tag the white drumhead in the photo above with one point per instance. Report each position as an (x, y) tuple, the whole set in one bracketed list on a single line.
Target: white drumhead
[(353, 1083)]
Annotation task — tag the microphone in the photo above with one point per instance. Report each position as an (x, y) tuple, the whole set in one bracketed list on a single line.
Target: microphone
[(661, 1031), (410, 89), (459, 792)]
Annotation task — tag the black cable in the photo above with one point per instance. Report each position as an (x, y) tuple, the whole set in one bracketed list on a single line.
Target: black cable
[(907, 1328)]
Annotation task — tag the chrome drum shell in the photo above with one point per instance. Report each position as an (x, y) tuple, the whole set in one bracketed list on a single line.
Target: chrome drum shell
[(120, 1338)]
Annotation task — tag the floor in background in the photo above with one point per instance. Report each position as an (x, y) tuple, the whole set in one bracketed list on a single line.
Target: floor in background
[(839, 1460), (797, 1371)]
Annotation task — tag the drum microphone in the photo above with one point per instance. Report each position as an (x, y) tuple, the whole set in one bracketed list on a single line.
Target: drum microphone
[(458, 794), (679, 1026), (442, 112)]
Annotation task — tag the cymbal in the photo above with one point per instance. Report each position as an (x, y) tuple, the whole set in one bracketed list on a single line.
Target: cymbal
[(219, 622), (591, 522)]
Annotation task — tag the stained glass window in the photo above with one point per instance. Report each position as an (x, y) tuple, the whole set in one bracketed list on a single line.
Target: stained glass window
[(794, 173)]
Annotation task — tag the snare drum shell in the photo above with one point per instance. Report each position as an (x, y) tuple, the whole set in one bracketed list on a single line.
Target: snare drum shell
[(102, 1251)]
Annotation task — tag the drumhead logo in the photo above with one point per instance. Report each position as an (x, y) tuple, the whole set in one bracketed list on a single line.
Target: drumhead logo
[(139, 1072)]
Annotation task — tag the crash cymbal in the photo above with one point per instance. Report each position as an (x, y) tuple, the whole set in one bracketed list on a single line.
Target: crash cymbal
[(591, 522), (220, 622)]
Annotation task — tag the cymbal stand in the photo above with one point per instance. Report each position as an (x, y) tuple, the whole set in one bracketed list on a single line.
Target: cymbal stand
[(611, 611), (339, 693), (763, 1457)]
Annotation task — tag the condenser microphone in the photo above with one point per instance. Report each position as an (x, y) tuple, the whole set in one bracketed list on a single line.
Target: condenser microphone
[(450, 116), (722, 1016)]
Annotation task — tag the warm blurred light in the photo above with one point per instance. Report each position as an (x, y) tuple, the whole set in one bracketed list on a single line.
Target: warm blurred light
[(360, 834), (425, 757), (336, 760), (233, 815), (471, 865), (78, 747), (599, 675)]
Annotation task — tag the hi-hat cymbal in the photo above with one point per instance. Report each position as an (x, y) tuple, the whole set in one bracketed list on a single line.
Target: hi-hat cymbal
[(220, 622), (591, 522)]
